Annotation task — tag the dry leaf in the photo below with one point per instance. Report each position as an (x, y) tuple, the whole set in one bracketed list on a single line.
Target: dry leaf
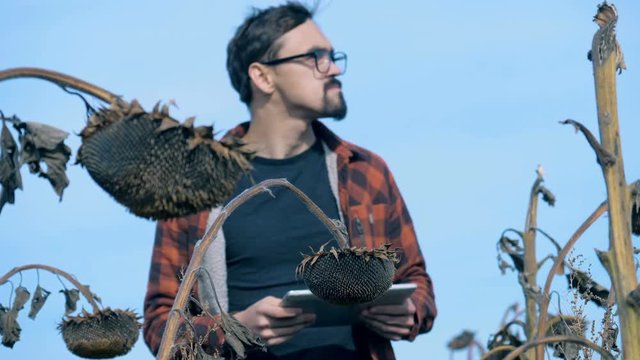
[(635, 207), (11, 328), (41, 142), (566, 325), (10, 179), (634, 298), (3, 314), (238, 337), (71, 299), (504, 337), (514, 250), (547, 195), (38, 300), (461, 341), (586, 286), (22, 296)]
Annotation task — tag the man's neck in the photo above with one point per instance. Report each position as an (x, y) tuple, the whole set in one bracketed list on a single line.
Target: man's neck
[(275, 135)]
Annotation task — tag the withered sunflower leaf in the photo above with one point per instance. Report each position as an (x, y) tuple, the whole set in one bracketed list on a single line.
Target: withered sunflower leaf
[(10, 178), (547, 196), (518, 261), (71, 297), (586, 286), (44, 136), (11, 331), (634, 298), (38, 300), (3, 314), (22, 296), (461, 341), (42, 142), (238, 337), (565, 326)]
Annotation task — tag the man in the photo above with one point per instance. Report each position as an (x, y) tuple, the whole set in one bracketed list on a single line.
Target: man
[(285, 70)]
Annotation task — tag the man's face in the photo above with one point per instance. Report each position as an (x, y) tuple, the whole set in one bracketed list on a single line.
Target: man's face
[(305, 91)]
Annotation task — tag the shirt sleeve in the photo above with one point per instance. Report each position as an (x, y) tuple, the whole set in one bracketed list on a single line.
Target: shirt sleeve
[(172, 250), (412, 267)]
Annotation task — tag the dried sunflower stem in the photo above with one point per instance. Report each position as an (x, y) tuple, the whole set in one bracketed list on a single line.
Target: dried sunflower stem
[(83, 289), (563, 338), (557, 264), (497, 350), (168, 338), (61, 80), (530, 261), (607, 59)]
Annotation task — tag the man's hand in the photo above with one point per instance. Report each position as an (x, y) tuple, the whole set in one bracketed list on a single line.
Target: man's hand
[(392, 322), (273, 323)]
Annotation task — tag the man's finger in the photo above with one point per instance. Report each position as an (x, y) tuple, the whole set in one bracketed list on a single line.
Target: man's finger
[(403, 321), (274, 333), (292, 321), (403, 309), (277, 311), (389, 331)]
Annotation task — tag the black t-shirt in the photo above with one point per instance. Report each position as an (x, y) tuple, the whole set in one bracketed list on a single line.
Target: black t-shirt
[(265, 236)]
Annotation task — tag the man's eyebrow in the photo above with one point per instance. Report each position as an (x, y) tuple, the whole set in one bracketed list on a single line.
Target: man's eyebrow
[(319, 48)]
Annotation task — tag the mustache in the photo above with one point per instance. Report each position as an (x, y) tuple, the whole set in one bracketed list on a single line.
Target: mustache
[(331, 83)]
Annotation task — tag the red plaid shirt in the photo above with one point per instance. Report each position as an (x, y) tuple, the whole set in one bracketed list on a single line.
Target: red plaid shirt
[(374, 213)]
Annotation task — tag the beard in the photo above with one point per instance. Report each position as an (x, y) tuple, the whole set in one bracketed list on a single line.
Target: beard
[(335, 106)]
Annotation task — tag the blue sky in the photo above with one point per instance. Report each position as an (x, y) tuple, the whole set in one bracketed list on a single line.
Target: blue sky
[(461, 98)]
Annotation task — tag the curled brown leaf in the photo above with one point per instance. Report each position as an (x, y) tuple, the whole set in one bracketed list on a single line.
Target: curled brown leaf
[(38, 300)]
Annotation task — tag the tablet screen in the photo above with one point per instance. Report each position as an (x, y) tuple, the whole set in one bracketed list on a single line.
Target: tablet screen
[(333, 315)]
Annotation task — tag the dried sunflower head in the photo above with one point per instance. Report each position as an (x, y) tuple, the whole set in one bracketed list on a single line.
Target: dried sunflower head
[(106, 334), (349, 276), (157, 167)]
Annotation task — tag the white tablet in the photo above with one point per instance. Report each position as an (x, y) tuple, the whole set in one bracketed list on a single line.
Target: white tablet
[(334, 315)]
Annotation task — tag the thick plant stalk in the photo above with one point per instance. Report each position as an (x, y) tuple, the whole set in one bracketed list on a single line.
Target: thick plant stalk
[(497, 350), (83, 289), (530, 261), (59, 79), (555, 268), (173, 322), (606, 56)]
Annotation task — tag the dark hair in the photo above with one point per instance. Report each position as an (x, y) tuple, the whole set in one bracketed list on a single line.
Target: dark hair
[(255, 38)]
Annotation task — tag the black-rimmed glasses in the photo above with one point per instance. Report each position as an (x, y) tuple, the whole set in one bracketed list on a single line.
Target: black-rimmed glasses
[(322, 57)]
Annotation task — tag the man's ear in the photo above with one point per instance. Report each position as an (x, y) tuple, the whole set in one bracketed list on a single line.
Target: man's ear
[(261, 77)]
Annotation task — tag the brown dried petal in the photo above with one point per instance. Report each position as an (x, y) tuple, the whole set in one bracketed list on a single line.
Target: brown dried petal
[(37, 302), (71, 300), (334, 252)]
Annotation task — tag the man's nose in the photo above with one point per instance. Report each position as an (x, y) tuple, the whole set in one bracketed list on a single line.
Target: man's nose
[(334, 69)]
